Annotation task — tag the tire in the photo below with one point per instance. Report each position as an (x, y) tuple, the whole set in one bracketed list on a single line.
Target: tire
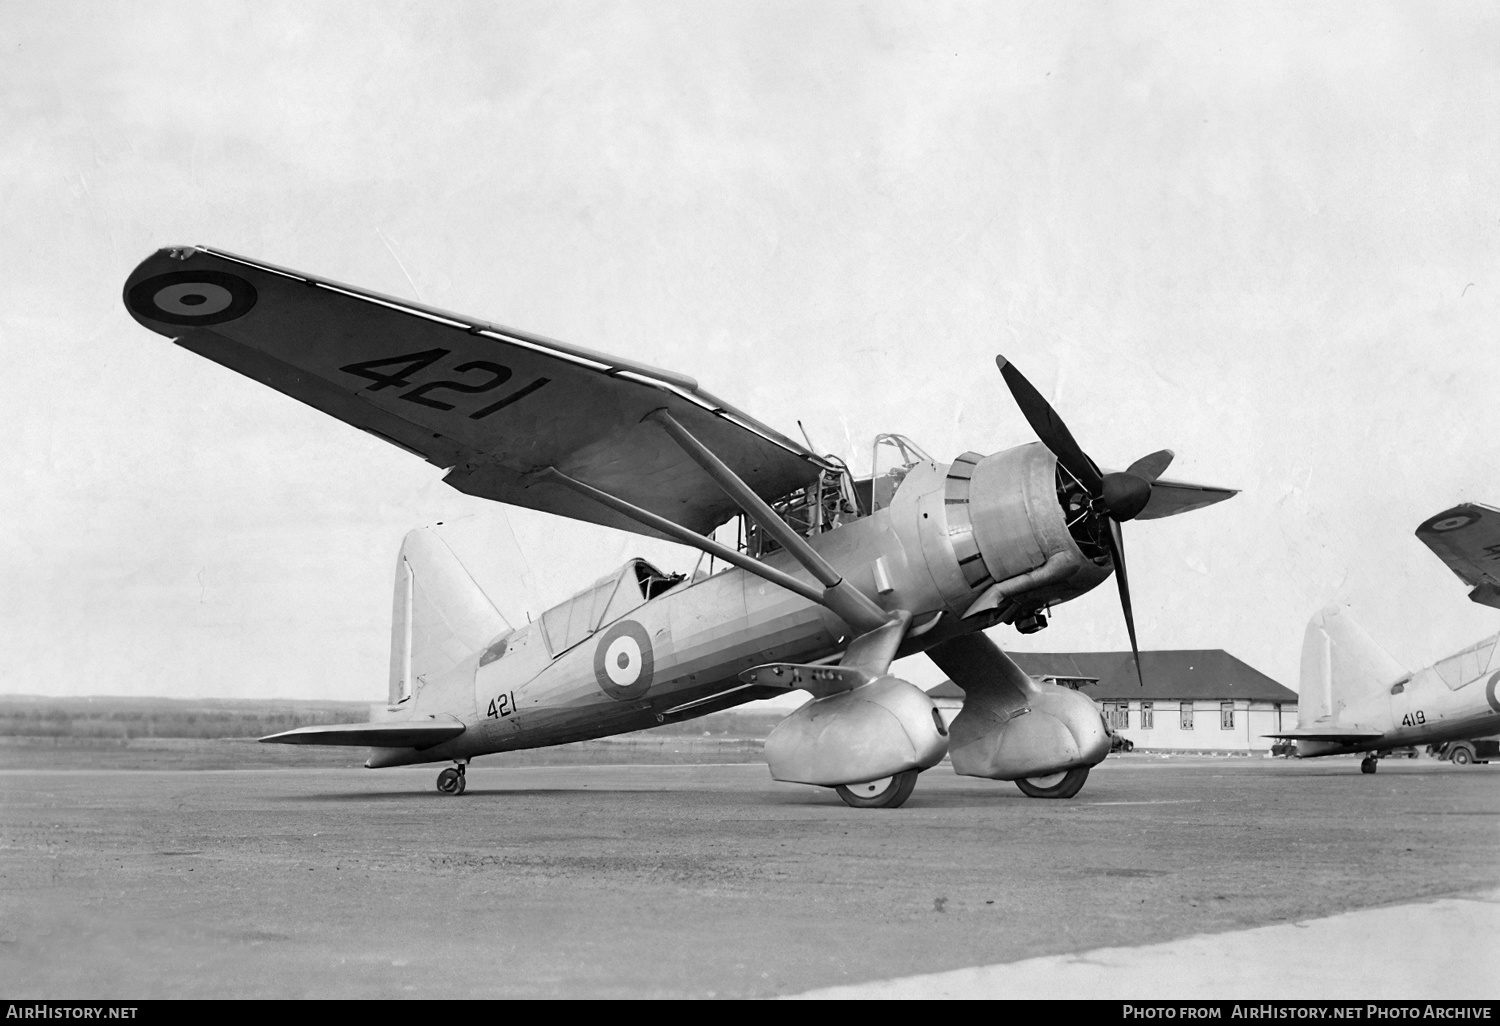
[(450, 781), (1055, 785), (888, 793), (1367, 765), (1461, 756)]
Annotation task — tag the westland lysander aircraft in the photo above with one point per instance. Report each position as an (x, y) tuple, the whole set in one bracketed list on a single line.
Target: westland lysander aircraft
[(1355, 697), (833, 578)]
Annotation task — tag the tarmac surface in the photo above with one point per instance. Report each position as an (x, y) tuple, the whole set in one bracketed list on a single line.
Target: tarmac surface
[(705, 880)]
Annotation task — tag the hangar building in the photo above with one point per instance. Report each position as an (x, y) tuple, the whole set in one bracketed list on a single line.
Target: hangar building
[(1195, 700)]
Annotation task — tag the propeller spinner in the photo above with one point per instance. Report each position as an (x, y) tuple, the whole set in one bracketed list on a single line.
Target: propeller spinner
[(1113, 498)]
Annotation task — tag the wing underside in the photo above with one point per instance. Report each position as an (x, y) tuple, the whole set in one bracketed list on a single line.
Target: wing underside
[(1467, 539), (492, 405)]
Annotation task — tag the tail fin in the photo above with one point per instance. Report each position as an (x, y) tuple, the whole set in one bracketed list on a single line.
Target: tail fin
[(1340, 661), (438, 617)]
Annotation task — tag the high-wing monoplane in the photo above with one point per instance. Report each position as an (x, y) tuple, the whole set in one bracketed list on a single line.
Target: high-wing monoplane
[(1355, 697), (832, 580)]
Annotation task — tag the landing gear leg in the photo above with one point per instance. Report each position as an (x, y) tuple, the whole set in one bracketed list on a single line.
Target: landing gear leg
[(1368, 764), (453, 779)]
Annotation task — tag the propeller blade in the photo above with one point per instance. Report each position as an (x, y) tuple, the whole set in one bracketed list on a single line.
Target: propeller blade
[(1116, 540), (1151, 467), (1050, 429)]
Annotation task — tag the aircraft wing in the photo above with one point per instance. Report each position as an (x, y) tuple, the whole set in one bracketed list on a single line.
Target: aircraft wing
[(490, 404), (1467, 539), (383, 734), (1168, 498)]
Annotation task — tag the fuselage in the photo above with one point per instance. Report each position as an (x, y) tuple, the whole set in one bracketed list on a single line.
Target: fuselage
[(1451, 700), (608, 662)]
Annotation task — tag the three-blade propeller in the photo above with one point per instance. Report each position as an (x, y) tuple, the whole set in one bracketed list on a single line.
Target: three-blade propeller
[(1113, 498)]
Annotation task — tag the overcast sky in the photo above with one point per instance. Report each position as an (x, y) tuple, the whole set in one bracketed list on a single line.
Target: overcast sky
[(1264, 236)]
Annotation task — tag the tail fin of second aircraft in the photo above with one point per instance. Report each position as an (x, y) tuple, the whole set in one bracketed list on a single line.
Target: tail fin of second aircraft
[(439, 615), (1339, 662)]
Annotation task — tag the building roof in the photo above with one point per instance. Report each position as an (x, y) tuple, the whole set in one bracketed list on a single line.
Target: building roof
[(1171, 674)]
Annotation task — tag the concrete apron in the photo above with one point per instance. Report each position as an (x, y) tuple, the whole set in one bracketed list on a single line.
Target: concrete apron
[(1439, 950)]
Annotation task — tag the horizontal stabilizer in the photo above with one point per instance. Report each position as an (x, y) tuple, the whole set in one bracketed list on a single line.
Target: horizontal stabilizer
[(389, 734), (1327, 735), (1169, 498)]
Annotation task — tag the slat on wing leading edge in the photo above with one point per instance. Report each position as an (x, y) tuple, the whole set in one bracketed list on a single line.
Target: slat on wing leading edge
[(490, 404)]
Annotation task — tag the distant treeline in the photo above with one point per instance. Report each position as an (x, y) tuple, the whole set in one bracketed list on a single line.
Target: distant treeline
[(124, 718), (110, 717)]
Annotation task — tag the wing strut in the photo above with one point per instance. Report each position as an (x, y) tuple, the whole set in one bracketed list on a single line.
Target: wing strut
[(688, 536), (850, 604)]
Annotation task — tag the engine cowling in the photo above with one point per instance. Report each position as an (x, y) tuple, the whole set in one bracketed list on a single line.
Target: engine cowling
[(997, 532)]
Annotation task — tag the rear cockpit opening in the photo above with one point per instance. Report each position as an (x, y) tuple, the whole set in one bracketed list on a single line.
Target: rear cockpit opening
[(653, 582)]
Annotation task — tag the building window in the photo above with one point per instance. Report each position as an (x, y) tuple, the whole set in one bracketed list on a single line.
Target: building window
[(1278, 717), (1117, 715), (1187, 715), (1148, 716), (1226, 715)]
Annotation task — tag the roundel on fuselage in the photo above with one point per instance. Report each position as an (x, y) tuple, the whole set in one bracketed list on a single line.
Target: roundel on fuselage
[(622, 661), (1489, 691)]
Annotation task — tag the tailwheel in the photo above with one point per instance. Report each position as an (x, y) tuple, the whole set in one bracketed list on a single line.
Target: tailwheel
[(1368, 764), (452, 780), (885, 793), (1062, 784)]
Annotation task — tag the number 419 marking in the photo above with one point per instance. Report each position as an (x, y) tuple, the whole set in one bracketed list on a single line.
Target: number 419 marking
[(503, 705)]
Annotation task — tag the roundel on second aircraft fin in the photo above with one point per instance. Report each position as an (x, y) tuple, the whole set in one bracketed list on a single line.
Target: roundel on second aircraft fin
[(192, 298), (623, 663)]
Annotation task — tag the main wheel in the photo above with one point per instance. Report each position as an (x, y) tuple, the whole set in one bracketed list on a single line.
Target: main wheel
[(885, 793), (1368, 764), (1062, 784), (450, 781), (1462, 756)]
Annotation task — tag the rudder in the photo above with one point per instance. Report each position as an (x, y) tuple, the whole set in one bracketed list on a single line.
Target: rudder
[(1340, 661), (439, 615)]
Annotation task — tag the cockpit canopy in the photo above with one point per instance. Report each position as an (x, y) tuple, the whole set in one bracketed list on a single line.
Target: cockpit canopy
[(893, 458), (603, 602), (837, 497)]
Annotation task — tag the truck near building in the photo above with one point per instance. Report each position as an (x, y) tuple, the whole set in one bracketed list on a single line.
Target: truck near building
[(1466, 753)]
